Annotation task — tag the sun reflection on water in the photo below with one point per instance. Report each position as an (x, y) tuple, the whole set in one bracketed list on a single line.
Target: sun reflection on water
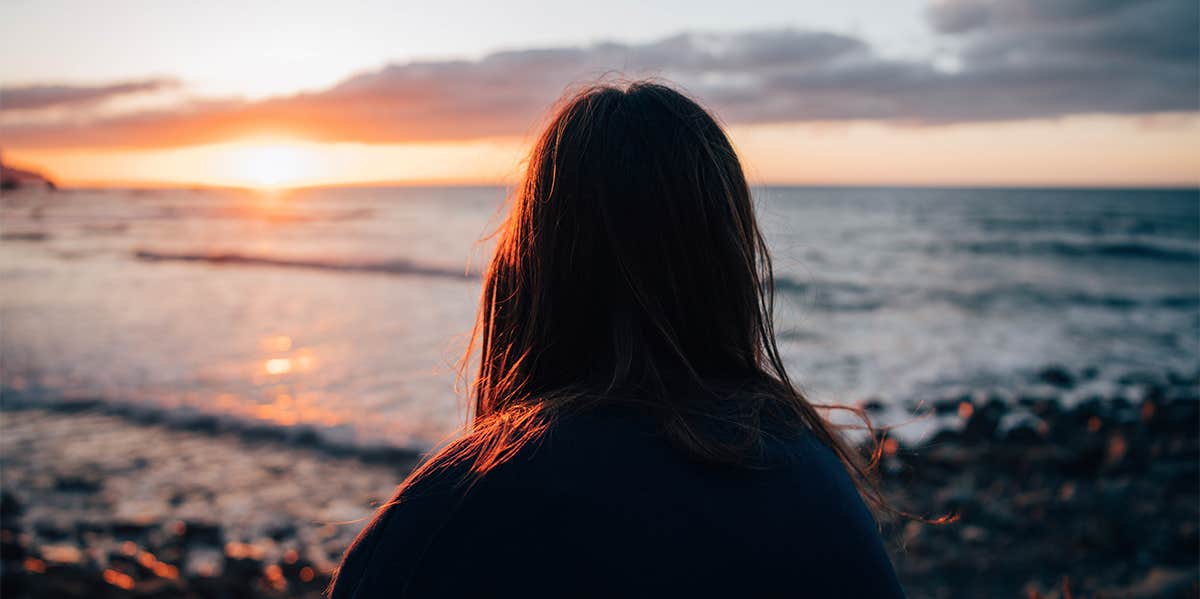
[(286, 402), (285, 407), (278, 365)]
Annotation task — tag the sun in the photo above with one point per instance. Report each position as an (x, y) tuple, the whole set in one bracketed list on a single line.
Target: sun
[(268, 166)]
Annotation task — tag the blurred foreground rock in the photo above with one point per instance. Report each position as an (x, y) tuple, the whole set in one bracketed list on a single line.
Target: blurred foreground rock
[(94, 505), (1098, 497)]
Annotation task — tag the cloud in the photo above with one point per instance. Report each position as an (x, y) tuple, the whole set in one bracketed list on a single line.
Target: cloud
[(959, 16), (1155, 33), (1010, 59), (36, 97)]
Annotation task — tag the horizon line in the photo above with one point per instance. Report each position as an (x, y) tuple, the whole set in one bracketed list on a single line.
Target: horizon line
[(157, 186)]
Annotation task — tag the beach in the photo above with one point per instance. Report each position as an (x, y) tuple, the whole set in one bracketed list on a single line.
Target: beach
[(1096, 499), (97, 504), (258, 266)]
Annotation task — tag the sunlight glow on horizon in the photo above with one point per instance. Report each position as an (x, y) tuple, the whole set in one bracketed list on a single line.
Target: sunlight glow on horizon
[(1084, 151), (279, 163), (270, 166)]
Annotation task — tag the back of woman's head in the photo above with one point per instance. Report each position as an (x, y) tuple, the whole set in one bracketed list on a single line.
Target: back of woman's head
[(631, 269), (630, 260)]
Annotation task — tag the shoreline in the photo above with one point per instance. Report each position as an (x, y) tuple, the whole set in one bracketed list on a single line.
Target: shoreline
[(1099, 497), (300, 437), (98, 505)]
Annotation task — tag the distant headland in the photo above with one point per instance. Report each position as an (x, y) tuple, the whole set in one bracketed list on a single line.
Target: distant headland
[(15, 178)]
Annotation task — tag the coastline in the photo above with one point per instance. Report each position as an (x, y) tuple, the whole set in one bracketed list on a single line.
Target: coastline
[(1099, 498), (97, 504), (1096, 498)]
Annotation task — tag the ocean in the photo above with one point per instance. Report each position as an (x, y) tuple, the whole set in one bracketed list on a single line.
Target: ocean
[(343, 311)]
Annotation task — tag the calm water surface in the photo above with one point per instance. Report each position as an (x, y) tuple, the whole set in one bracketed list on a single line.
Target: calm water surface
[(344, 310)]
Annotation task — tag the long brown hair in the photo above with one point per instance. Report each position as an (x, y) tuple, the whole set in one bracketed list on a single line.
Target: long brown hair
[(631, 268)]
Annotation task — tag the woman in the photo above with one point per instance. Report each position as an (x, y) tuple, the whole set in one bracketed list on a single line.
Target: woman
[(634, 430)]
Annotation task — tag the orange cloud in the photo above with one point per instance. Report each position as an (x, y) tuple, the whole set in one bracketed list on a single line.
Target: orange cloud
[(1006, 70)]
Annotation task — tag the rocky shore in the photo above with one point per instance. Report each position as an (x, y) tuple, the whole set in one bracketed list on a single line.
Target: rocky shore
[(1096, 497), (97, 504)]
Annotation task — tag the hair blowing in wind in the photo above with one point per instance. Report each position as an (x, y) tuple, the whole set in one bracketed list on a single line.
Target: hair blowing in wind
[(631, 269), (630, 277)]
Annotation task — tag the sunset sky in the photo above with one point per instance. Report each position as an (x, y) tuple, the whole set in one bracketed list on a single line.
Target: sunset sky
[(949, 92)]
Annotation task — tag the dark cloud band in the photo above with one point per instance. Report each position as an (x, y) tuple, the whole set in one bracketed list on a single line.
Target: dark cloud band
[(36, 97), (1012, 59)]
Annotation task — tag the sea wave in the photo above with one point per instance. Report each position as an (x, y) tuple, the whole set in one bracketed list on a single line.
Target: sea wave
[(24, 236), (1130, 249), (176, 212), (195, 421), (390, 267), (844, 296), (1019, 295), (841, 296)]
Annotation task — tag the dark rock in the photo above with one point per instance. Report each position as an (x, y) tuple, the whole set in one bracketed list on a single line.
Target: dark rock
[(948, 406), (243, 571), (1041, 406), (281, 530), (52, 531), (1179, 379), (1025, 432), (156, 588), (129, 564), (1184, 545), (15, 178), (1180, 416), (10, 507), (984, 422), (195, 532), (944, 436), (1057, 376), (301, 573), (79, 484), (11, 549), (87, 527), (1084, 459), (131, 530)]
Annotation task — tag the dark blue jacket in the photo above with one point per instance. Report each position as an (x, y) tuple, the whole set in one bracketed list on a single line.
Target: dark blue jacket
[(604, 507)]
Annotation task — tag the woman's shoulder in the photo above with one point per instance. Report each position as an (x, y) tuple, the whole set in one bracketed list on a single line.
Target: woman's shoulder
[(607, 457), (428, 511), (603, 491)]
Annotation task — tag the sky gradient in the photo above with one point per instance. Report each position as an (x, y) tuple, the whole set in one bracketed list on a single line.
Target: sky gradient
[(953, 92)]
